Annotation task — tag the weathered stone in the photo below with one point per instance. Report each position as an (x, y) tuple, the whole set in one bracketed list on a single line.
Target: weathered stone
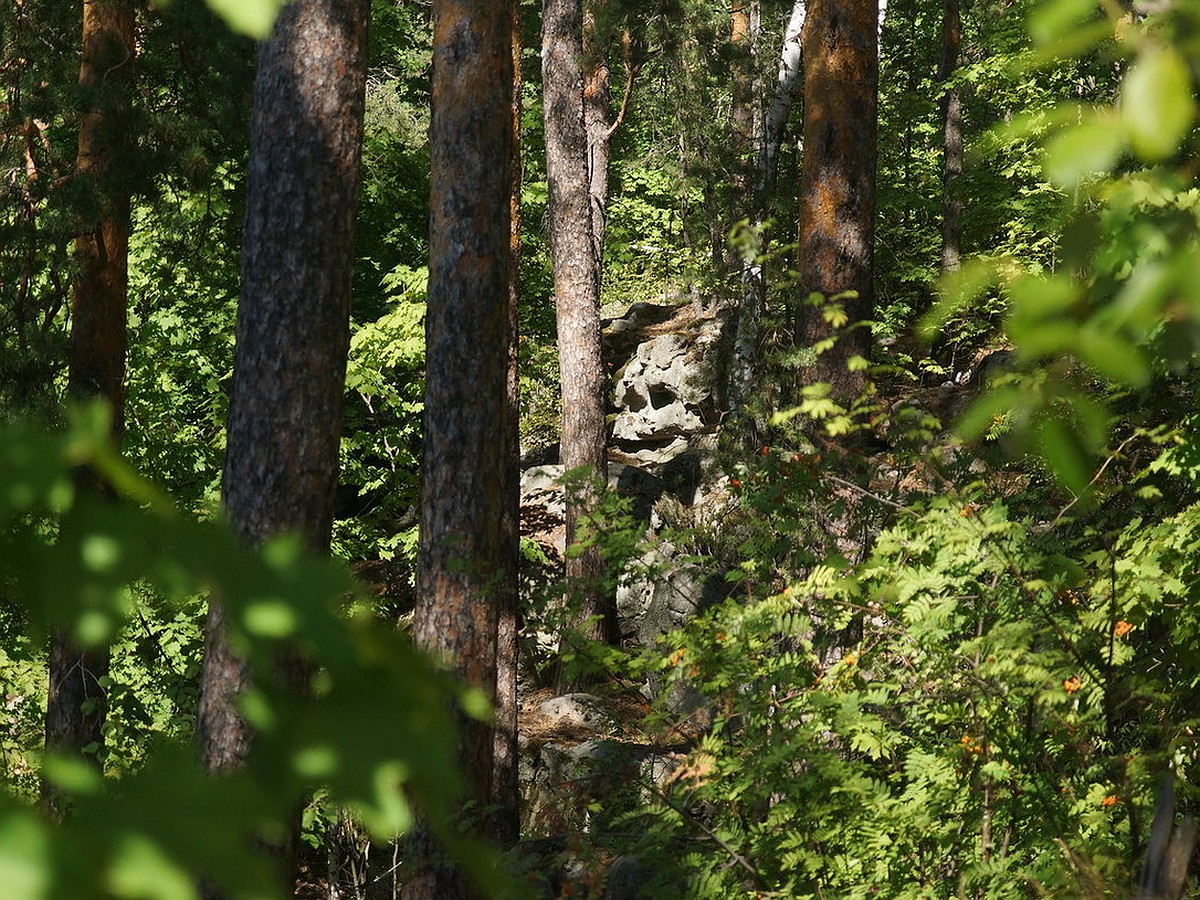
[(658, 594), (559, 781), (661, 391), (626, 879), (584, 710)]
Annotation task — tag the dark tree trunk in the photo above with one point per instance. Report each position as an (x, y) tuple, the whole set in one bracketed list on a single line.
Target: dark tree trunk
[(576, 295), (952, 137), (75, 707), (837, 183), (506, 826), (467, 536), (281, 461)]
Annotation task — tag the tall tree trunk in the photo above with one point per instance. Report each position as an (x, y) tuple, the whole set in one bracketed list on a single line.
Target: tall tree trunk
[(506, 825), (576, 294), (786, 81), (281, 461), (837, 183), (744, 364), (952, 137), (597, 113), (742, 101), (466, 499), (75, 707)]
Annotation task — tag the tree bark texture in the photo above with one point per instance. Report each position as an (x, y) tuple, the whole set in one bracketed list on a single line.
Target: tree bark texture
[(467, 538), (576, 292), (837, 183), (597, 112), (952, 137), (75, 707), (281, 462), (742, 97), (506, 825)]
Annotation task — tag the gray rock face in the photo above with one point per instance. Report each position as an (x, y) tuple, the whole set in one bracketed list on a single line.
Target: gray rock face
[(666, 360), (583, 710), (658, 594), (660, 392)]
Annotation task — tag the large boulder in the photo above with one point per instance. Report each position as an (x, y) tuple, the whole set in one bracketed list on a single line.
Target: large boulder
[(666, 360), (661, 393)]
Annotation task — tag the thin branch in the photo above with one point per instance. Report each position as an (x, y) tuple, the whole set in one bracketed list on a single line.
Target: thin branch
[(631, 72), (1112, 456), (721, 842), (869, 495)]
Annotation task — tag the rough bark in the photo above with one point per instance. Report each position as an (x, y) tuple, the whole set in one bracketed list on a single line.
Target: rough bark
[(75, 707), (837, 185), (597, 113), (281, 460), (952, 137), (742, 96), (576, 293), (466, 541), (506, 826)]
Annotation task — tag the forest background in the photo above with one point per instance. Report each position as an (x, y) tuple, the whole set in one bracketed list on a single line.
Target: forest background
[(943, 664)]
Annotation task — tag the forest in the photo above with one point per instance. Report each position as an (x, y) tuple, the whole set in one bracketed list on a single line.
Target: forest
[(599, 448)]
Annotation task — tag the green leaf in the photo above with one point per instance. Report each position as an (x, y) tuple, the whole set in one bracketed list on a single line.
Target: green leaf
[(1113, 357), (140, 869), (273, 618), (24, 857), (1053, 20), (1065, 454), (984, 412), (100, 552), (71, 774), (1157, 107), (250, 17), (476, 704), (1087, 149), (957, 289)]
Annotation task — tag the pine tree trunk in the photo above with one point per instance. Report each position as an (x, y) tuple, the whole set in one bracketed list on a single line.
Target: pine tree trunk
[(597, 112), (506, 825), (837, 184), (952, 137), (75, 708), (576, 294), (741, 112), (467, 494), (281, 461)]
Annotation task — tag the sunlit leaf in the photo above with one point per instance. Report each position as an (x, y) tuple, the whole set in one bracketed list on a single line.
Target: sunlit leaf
[(140, 870), (981, 415), (1087, 149), (251, 17), (1157, 106), (1113, 357), (273, 618), (24, 857), (71, 774), (1050, 21), (957, 289)]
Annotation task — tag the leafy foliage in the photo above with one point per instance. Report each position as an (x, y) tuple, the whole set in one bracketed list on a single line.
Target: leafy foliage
[(80, 564)]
